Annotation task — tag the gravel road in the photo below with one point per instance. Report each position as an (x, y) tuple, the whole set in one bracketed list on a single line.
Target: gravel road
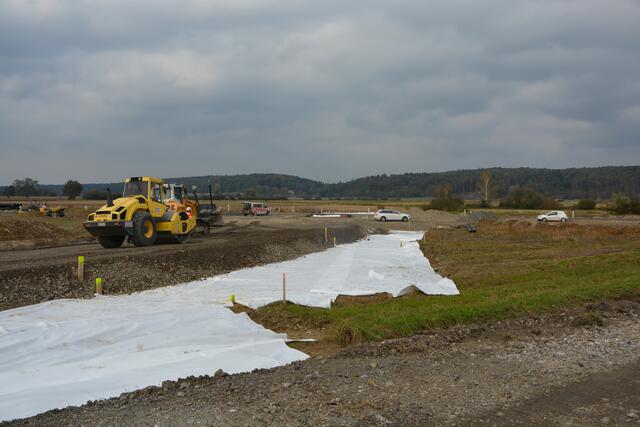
[(578, 367), (37, 275)]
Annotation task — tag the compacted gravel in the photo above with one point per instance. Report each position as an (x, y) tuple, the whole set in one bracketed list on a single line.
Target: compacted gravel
[(580, 367), (33, 276)]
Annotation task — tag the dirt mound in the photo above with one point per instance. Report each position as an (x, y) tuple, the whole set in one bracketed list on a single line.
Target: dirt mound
[(476, 217), (12, 229), (431, 215)]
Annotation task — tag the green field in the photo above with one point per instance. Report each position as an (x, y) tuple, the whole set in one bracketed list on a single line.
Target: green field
[(503, 270)]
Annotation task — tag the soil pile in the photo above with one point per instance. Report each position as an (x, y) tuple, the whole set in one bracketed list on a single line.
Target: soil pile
[(432, 216), (477, 217), (17, 232)]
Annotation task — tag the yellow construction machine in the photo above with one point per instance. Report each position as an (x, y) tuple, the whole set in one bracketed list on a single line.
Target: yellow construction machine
[(207, 215), (142, 214)]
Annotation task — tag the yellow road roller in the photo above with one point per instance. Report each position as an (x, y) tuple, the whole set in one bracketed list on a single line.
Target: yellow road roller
[(140, 215)]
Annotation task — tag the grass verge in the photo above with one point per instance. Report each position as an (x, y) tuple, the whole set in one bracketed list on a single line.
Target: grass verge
[(504, 270)]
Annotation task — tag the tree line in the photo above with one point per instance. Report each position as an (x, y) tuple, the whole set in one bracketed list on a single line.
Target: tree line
[(574, 183), (29, 187)]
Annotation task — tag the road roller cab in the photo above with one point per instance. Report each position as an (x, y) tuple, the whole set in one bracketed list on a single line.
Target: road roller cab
[(141, 215)]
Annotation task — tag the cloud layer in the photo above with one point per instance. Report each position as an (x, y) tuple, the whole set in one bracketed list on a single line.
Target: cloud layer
[(96, 90)]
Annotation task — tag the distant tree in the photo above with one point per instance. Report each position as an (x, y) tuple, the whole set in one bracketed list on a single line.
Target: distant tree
[(46, 192), (9, 191), (486, 185), (25, 187), (443, 191), (586, 204), (250, 193), (444, 200), (527, 198), (623, 205), (94, 194), (72, 189)]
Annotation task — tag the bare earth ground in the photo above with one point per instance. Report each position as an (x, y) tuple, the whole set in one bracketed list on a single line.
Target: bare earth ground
[(46, 270), (577, 367), (534, 371), (33, 276)]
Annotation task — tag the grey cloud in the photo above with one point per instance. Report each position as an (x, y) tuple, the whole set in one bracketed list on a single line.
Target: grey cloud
[(331, 90)]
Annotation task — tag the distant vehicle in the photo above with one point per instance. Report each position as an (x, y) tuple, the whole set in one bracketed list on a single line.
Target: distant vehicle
[(10, 206), (391, 215), (553, 216), (255, 209)]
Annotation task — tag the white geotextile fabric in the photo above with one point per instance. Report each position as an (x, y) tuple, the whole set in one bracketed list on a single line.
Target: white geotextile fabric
[(66, 352), (376, 264)]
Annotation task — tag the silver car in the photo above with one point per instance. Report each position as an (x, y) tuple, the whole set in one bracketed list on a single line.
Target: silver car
[(553, 216), (391, 215)]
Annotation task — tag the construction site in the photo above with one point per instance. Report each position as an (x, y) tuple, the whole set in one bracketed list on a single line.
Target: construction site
[(160, 307)]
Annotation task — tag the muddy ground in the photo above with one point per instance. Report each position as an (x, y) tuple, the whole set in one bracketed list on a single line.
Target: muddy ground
[(578, 367), (37, 275)]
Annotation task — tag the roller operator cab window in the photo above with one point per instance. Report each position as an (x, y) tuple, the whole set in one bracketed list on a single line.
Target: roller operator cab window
[(156, 192), (135, 188), (177, 193)]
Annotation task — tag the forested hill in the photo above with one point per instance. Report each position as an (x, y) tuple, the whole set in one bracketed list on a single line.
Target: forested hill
[(573, 183)]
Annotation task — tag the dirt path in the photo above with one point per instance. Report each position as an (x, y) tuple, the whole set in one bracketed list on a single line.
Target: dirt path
[(37, 275), (608, 397), (532, 371)]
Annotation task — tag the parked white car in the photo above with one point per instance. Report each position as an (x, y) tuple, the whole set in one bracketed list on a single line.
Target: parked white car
[(553, 216), (391, 215)]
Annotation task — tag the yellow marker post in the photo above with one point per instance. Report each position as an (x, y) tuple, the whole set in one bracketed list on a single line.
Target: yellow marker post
[(81, 268), (326, 235), (98, 285), (232, 298), (334, 241)]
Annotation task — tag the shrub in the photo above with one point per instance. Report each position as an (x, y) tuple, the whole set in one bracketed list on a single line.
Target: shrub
[(94, 195), (448, 204), (625, 205), (586, 204), (72, 189), (526, 198)]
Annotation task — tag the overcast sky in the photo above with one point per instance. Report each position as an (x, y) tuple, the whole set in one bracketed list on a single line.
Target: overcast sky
[(97, 90)]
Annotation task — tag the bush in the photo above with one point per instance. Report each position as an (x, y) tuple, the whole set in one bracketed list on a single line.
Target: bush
[(72, 189), (586, 204), (448, 204), (526, 198), (625, 205), (94, 195)]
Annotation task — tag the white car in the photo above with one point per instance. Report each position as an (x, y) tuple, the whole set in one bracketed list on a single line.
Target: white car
[(553, 216), (391, 215)]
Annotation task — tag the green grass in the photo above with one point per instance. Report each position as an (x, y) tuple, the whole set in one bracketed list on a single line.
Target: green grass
[(500, 275)]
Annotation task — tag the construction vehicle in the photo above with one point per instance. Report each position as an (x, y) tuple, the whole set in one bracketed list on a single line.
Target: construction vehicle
[(141, 215), (207, 216), (52, 212), (255, 209), (45, 210)]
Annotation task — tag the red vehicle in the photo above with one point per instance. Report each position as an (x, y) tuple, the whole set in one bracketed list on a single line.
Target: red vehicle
[(255, 209)]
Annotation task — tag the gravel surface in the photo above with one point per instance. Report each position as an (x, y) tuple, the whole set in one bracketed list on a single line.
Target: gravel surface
[(498, 373), (33, 276)]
